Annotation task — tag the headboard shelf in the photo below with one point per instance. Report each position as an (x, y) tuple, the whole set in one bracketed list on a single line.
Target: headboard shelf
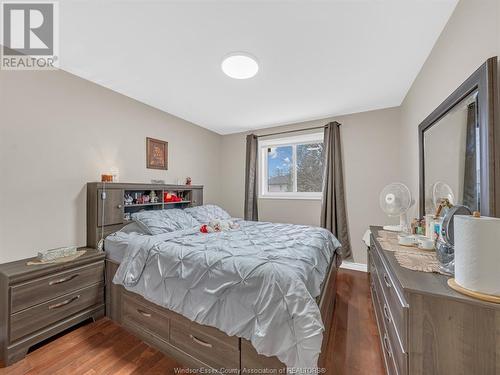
[(123, 199)]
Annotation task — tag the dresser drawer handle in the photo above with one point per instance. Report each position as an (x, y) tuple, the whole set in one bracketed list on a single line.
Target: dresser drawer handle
[(200, 342), (387, 346), (64, 303), (144, 313), (63, 280), (387, 281), (386, 313)]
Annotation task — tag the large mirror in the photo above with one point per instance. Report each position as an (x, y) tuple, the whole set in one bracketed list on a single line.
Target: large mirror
[(457, 147)]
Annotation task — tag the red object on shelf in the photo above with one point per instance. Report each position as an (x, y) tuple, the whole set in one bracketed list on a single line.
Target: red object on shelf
[(168, 197)]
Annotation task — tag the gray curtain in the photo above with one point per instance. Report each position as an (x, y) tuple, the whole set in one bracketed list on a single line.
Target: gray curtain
[(471, 193), (251, 179), (333, 208)]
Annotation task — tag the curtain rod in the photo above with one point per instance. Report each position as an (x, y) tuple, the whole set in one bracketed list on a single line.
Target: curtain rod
[(291, 131)]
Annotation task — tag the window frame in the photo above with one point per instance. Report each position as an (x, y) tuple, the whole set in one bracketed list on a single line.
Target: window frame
[(294, 141)]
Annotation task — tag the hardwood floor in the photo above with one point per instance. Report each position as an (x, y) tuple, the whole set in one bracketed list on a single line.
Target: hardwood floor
[(105, 348), (354, 346)]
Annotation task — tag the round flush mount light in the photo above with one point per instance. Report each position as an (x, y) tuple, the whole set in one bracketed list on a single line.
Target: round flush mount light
[(240, 65)]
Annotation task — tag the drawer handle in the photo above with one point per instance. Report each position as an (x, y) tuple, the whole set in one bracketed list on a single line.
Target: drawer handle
[(387, 346), (387, 281), (200, 342), (64, 303), (144, 313), (63, 280), (386, 313)]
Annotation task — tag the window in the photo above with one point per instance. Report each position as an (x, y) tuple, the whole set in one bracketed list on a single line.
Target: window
[(291, 167)]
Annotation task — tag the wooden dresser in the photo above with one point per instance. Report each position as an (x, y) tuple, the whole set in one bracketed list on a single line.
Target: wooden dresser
[(37, 302), (427, 328)]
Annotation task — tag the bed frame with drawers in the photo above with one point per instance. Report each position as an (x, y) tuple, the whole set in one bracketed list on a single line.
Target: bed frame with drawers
[(192, 344)]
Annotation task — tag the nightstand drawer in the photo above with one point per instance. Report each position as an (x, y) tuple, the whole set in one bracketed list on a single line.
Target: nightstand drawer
[(37, 317), (46, 288)]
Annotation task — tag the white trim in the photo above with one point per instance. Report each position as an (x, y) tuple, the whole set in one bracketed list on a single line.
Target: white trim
[(289, 140), (299, 197), (354, 266), (292, 141)]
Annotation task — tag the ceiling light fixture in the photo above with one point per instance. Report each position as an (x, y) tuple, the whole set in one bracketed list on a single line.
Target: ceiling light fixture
[(240, 65)]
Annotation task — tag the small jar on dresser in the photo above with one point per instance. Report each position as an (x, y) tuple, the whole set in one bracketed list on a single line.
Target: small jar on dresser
[(39, 301)]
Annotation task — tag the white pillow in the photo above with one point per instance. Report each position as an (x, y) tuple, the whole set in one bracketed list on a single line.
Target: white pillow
[(162, 221), (206, 213)]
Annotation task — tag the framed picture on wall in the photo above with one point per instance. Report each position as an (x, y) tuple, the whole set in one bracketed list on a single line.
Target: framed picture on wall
[(156, 154)]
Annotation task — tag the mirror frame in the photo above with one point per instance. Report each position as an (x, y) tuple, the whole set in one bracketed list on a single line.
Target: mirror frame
[(484, 80)]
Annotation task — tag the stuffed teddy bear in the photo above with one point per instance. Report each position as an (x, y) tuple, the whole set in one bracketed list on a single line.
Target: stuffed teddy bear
[(218, 226)]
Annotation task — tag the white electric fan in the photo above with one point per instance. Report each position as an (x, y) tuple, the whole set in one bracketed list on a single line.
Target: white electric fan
[(440, 192), (395, 200)]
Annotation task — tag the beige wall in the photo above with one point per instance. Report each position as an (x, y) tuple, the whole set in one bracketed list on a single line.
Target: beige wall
[(468, 40), (58, 132), (371, 160)]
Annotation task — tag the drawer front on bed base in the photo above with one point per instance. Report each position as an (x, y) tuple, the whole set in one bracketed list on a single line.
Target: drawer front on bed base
[(209, 349), (145, 316), (206, 344)]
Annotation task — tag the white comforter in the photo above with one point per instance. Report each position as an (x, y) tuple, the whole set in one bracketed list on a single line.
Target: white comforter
[(258, 282)]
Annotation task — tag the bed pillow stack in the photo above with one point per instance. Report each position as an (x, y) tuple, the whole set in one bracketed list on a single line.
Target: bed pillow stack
[(163, 221), (207, 213)]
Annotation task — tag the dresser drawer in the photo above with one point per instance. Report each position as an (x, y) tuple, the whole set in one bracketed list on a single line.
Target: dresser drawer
[(390, 363), (137, 312), (396, 306), (207, 344), (390, 337), (37, 317), (46, 288)]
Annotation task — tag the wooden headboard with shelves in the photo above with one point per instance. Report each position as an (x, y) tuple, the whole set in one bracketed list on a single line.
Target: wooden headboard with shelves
[(116, 208)]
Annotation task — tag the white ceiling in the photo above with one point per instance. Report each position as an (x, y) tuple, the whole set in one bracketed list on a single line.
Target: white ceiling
[(317, 58)]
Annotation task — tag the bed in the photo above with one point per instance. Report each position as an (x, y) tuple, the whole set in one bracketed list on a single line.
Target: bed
[(259, 296)]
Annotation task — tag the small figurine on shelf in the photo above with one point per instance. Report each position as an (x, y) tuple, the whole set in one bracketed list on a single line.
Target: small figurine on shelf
[(128, 199), (188, 180), (153, 198), (145, 198)]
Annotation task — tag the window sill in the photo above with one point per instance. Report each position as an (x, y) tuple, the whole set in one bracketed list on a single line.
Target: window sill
[(296, 197)]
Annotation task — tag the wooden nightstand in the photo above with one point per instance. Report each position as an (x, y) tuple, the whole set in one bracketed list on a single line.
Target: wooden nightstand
[(37, 302)]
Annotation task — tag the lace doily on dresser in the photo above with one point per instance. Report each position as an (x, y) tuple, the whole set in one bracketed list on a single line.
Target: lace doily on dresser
[(410, 257)]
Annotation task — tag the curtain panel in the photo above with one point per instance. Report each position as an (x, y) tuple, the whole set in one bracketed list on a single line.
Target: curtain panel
[(251, 211), (333, 207)]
